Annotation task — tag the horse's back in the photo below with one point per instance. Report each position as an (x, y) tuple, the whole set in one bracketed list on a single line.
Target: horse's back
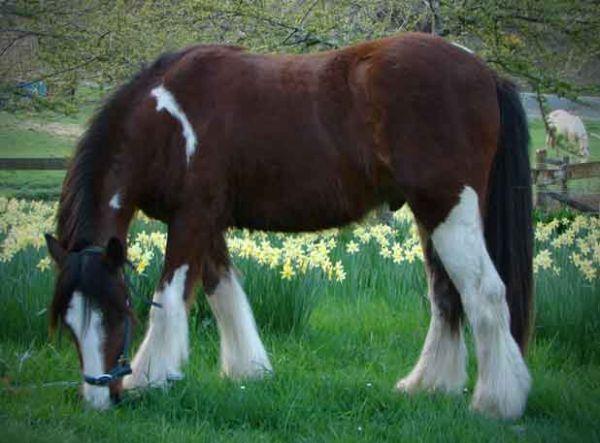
[(289, 132), (317, 140), (439, 112)]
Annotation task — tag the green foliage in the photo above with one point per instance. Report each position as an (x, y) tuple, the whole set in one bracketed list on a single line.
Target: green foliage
[(544, 43), (546, 217), (106, 41)]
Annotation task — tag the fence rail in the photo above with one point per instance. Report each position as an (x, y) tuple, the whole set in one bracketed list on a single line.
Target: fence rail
[(29, 164), (550, 171)]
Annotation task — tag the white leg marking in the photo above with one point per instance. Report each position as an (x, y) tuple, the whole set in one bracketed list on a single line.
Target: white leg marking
[(442, 364), (115, 201), (242, 351), (166, 100), (503, 379), (91, 339), (165, 346)]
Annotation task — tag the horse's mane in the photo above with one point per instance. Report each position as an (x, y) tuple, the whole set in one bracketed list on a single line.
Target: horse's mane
[(77, 217)]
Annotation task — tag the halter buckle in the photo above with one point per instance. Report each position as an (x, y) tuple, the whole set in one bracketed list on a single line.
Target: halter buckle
[(101, 380)]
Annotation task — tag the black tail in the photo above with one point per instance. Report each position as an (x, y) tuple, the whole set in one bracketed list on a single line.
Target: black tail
[(508, 220)]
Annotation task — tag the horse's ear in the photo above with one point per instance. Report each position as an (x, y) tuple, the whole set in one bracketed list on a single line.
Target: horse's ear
[(57, 252), (115, 253)]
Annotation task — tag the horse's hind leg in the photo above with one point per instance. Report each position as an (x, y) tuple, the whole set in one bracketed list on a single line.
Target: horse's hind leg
[(503, 379), (442, 363)]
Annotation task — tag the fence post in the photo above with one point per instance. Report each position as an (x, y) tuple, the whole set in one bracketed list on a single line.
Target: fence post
[(564, 176), (541, 199)]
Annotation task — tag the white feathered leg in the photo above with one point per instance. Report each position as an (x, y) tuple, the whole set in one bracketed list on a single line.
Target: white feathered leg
[(242, 352)]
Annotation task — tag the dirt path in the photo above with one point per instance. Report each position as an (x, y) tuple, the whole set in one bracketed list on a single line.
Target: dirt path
[(66, 130)]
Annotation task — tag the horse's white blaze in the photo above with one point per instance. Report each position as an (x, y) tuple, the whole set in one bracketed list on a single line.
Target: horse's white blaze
[(442, 364), (115, 201), (165, 347), (90, 338), (166, 100), (242, 351), (503, 379)]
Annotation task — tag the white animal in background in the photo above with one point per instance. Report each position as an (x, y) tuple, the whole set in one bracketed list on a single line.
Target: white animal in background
[(569, 126)]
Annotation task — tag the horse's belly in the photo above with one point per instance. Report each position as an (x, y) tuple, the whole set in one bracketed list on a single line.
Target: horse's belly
[(319, 199)]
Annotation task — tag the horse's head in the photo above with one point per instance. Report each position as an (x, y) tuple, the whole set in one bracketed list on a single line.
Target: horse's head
[(91, 300)]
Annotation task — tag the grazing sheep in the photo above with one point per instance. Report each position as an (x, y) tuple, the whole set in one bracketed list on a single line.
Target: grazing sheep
[(569, 126)]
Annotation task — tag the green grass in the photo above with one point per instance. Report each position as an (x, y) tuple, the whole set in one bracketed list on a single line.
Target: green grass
[(37, 185), (335, 365), (22, 134), (16, 140)]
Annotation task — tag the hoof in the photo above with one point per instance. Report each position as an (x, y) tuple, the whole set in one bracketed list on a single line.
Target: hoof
[(499, 401), (249, 371), (408, 385), (503, 396), (417, 382), (142, 381)]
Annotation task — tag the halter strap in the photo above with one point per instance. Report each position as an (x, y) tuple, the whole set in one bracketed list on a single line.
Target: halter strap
[(92, 250)]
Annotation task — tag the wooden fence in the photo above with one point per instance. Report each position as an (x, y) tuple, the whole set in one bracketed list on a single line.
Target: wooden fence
[(44, 164), (551, 172), (546, 173)]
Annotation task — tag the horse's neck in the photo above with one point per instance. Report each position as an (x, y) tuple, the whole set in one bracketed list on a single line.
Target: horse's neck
[(109, 216), (115, 223)]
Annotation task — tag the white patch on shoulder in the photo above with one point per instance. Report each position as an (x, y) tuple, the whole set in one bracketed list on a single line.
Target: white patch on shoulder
[(242, 351), (503, 380), (115, 201), (166, 100), (166, 345), (90, 338), (464, 48)]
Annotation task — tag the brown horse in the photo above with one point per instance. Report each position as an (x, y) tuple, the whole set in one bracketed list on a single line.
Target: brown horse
[(213, 137)]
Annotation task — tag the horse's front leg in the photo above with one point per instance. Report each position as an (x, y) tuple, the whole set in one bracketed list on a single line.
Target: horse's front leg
[(166, 345), (242, 352)]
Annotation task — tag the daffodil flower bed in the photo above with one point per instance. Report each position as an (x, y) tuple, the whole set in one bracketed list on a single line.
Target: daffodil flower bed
[(578, 240), (559, 243)]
